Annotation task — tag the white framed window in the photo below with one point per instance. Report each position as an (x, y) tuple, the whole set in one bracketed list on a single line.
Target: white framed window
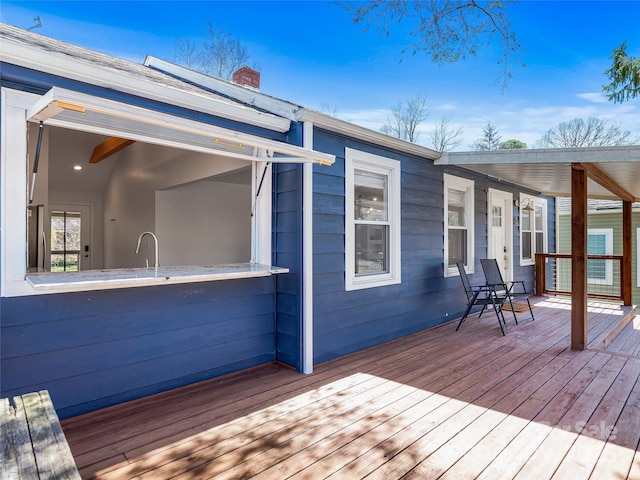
[(600, 242), (459, 224), (533, 228), (372, 220)]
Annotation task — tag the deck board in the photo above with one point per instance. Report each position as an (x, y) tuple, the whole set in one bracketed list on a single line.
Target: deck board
[(437, 404)]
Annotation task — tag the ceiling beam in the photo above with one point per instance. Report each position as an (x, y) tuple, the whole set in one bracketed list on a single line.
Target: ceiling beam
[(110, 146), (604, 180)]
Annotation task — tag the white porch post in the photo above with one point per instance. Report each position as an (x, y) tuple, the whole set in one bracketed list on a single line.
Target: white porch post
[(307, 254)]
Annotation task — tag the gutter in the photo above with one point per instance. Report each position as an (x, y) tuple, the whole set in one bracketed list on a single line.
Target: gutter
[(327, 122)]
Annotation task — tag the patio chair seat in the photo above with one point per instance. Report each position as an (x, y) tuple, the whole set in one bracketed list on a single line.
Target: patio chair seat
[(513, 290), (481, 295)]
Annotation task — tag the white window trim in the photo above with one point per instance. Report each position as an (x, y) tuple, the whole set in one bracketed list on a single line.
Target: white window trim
[(367, 161), (540, 202), (608, 235), (459, 183), (14, 199)]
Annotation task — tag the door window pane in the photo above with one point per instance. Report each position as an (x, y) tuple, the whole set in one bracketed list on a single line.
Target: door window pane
[(65, 241), (496, 215)]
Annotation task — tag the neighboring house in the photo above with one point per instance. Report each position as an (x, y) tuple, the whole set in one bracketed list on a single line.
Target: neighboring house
[(604, 233), (283, 234)]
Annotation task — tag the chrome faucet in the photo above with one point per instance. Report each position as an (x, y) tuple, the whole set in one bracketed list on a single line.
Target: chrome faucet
[(155, 239)]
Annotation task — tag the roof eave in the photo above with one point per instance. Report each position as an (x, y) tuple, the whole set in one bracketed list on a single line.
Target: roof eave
[(56, 63), (327, 122)]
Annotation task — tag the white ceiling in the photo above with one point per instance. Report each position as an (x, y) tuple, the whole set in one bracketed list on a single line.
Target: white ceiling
[(549, 171)]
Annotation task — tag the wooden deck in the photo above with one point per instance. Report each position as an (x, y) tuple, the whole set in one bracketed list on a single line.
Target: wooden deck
[(437, 404)]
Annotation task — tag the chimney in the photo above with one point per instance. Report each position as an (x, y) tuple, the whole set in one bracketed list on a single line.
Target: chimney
[(247, 77)]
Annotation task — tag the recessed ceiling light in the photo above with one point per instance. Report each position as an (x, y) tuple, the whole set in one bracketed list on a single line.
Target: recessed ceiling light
[(77, 167)]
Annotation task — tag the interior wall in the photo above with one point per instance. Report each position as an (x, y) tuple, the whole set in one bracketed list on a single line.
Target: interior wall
[(217, 228), (129, 209), (130, 204)]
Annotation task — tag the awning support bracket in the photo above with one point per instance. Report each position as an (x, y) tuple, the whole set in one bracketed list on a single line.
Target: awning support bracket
[(36, 160), (255, 200)]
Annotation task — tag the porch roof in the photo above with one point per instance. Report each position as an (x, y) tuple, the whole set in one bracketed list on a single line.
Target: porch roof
[(548, 171)]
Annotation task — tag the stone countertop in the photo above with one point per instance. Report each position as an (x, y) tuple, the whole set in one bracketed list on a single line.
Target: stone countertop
[(138, 277)]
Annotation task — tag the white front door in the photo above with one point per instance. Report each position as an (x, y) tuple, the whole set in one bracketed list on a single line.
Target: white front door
[(500, 231)]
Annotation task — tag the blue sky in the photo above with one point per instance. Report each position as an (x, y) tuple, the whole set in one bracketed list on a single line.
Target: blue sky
[(310, 53)]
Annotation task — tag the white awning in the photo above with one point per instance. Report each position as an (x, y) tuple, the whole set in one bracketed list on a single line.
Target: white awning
[(79, 111)]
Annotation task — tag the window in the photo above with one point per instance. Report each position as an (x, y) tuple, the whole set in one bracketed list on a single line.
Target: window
[(600, 242), (372, 211), (638, 255), (459, 224), (533, 228), (171, 179)]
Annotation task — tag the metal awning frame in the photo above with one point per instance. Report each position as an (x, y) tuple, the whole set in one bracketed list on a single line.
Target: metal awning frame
[(79, 111)]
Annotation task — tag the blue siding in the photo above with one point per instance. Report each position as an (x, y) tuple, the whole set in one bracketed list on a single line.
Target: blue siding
[(345, 322), (287, 252), (94, 349)]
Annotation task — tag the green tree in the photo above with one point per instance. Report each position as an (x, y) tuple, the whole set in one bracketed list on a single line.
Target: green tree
[(446, 30), (512, 144), (624, 75), (593, 132), (406, 117), (490, 139)]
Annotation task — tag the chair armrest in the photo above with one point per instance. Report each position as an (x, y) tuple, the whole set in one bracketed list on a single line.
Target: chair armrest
[(521, 282)]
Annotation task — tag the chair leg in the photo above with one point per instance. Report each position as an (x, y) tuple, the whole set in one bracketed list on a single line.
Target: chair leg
[(466, 312), (513, 310), (530, 309), (464, 317), (499, 314)]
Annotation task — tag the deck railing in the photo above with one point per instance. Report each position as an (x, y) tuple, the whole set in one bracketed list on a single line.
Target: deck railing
[(604, 273)]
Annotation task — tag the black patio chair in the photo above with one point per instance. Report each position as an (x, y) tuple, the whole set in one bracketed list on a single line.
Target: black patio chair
[(514, 290), (485, 295)]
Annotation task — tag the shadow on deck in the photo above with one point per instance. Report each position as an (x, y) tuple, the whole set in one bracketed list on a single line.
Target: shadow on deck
[(437, 404)]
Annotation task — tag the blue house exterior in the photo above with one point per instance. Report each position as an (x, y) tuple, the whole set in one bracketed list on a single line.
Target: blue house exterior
[(320, 295)]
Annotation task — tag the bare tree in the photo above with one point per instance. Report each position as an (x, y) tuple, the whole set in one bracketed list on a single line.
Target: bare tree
[(223, 54), (220, 55), (186, 53), (624, 75), (328, 109), (444, 137), (594, 132), (447, 30), (406, 117), (490, 139)]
